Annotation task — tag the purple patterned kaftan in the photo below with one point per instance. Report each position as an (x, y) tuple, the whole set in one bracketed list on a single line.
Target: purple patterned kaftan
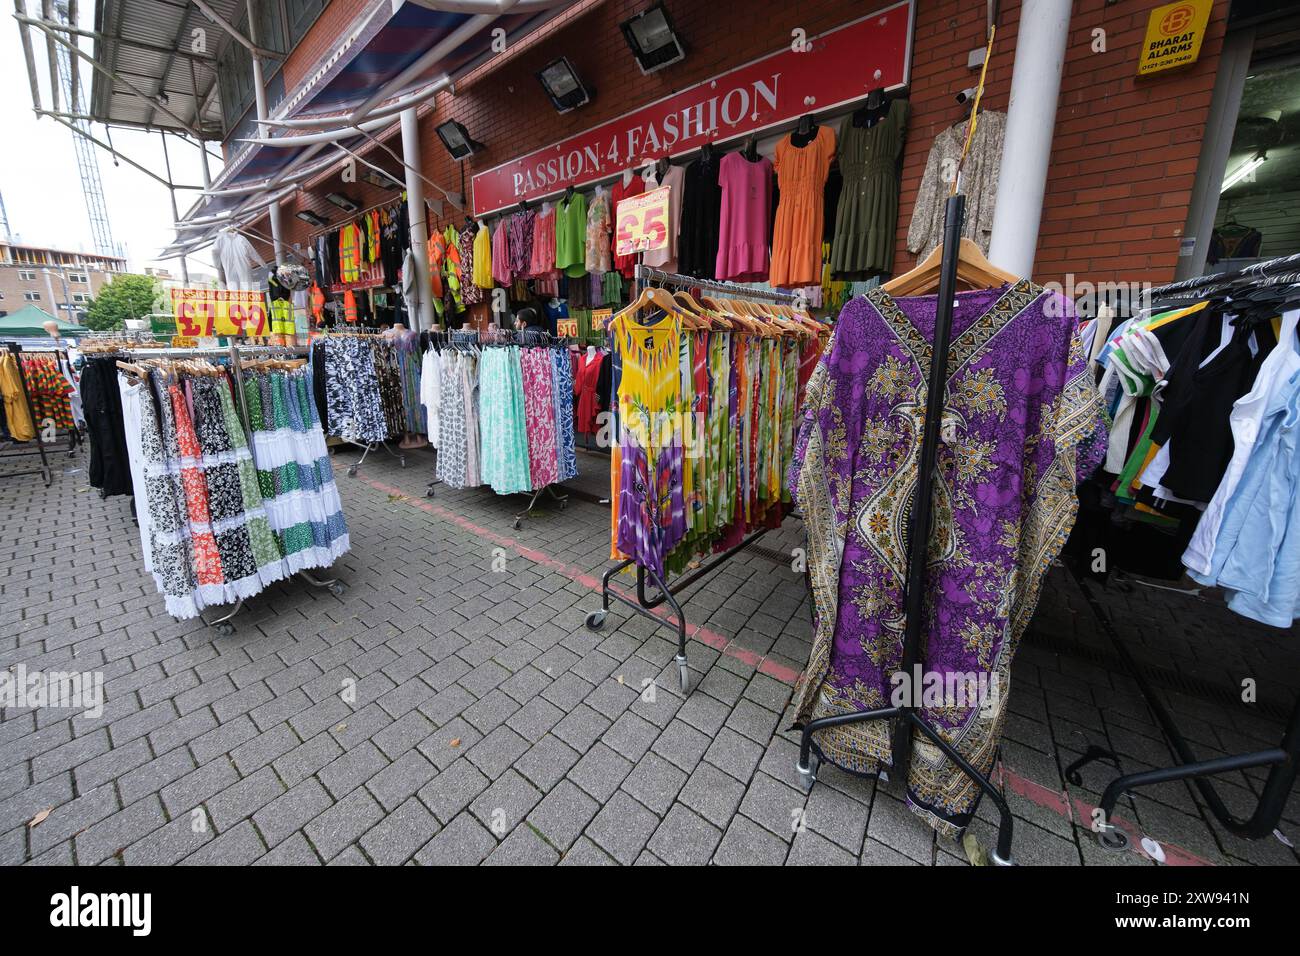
[(1019, 402)]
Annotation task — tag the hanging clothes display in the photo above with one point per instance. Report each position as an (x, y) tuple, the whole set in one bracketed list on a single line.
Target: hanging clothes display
[(541, 264), (109, 469), (725, 386), (746, 213), (666, 258), (49, 390), (470, 291), (701, 212), (801, 169), (866, 212), (634, 186), (501, 266), (18, 414), (1021, 411), (294, 475), (599, 227), (979, 183), (503, 422), (351, 251), (483, 257), (522, 228), (571, 235), (236, 258), (355, 405)]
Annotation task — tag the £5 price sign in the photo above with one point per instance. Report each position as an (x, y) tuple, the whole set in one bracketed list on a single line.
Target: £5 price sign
[(210, 312), (641, 222)]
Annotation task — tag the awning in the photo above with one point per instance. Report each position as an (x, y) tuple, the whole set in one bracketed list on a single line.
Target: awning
[(388, 49)]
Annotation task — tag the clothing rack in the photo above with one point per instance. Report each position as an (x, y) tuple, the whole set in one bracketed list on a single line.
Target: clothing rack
[(233, 353), (645, 275), (907, 717), (44, 470), (363, 331), (1255, 270), (490, 338), (645, 603), (1282, 760)]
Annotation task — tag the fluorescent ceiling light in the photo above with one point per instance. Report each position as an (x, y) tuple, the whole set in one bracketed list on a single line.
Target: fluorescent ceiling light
[(1244, 171), (342, 201)]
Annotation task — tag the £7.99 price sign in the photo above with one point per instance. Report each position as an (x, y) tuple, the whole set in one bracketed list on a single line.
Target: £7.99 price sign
[(641, 222), (209, 312)]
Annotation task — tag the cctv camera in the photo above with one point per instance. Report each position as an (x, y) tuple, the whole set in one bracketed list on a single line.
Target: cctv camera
[(966, 95)]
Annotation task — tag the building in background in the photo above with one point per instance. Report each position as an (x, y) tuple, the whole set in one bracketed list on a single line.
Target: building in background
[(59, 282)]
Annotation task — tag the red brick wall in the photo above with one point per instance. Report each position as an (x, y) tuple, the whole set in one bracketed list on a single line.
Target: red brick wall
[(1124, 151)]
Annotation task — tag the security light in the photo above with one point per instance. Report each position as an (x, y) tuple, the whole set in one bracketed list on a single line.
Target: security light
[(382, 180), (309, 217), (343, 202), (650, 36), (456, 138), (563, 86)]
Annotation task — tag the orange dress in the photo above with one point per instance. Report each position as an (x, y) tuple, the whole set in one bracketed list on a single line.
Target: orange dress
[(797, 238)]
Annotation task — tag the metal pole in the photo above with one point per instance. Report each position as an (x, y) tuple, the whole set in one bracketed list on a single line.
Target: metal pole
[(259, 91), (176, 213), (415, 213), (1031, 118)]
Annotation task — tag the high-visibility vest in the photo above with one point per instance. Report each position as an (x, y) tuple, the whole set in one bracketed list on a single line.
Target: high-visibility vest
[(350, 307), (350, 253), (451, 267), (317, 302), (437, 252)]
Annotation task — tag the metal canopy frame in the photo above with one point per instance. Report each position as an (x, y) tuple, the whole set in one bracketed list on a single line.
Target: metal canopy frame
[(379, 114)]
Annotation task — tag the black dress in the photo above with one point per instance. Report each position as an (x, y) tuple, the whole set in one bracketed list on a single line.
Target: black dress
[(110, 468), (697, 241)]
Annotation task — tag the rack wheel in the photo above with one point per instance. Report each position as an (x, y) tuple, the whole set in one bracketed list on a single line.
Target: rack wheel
[(1112, 838), (352, 471), (402, 461), (596, 620), (224, 628), (684, 673), (518, 523), (564, 504), (429, 493), (337, 588)]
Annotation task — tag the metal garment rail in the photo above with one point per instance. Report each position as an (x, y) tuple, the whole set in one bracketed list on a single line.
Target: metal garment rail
[(44, 471), (1282, 759), (645, 604), (907, 717)]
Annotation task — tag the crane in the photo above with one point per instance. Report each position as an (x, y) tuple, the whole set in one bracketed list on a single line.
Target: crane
[(87, 162)]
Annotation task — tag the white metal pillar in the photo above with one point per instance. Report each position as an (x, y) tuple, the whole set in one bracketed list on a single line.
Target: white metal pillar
[(259, 92), (1031, 120), (415, 212)]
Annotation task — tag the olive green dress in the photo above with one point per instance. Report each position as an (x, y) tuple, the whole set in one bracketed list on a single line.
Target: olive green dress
[(866, 219)]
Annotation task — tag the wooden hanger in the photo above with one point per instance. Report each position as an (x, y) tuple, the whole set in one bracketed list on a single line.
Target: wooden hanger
[(653, 295), (974, 271)]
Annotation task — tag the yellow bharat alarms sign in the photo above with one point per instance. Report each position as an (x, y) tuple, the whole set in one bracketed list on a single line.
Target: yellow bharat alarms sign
[(1174, 35)]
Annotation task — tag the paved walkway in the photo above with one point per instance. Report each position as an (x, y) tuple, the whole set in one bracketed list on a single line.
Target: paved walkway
[(450, 707)]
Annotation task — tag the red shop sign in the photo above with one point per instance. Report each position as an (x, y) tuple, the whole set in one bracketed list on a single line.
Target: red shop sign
[(812, 75)]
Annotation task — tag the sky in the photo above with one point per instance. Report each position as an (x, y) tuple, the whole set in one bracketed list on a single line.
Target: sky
[(41, 186)]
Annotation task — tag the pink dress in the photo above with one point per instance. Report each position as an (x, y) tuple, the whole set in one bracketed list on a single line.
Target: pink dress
[(542, 265), (501, 253), (539, 413), (746, 212)]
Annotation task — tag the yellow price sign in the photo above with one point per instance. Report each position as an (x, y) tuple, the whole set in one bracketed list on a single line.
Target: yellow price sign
[(566, 328), (209, 312), (641, 222)]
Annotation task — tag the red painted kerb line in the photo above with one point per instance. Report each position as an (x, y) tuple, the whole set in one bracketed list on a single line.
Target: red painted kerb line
[(704, 635), (1057, 801)]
